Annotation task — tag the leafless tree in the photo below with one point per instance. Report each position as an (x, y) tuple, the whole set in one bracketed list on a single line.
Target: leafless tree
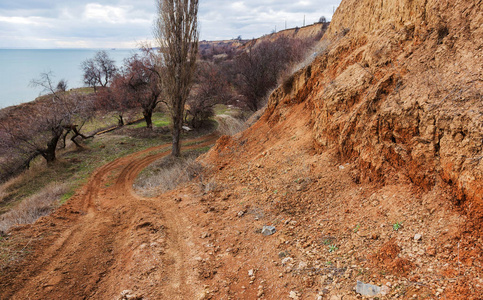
[(62, 85), (210, 88), (115, 98), (35, 130), (176, 33), (99, 71), (142, 82), (260, 66)]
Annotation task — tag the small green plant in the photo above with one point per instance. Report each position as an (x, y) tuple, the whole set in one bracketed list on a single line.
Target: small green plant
[(326, 242), (356, 229), (396, 226), (328, 262), (333, 248)]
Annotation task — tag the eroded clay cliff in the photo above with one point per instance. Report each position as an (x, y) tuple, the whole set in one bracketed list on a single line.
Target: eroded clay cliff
[(398, 89)]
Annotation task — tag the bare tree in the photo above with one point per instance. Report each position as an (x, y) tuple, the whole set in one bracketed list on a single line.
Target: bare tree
[(62, 85), (210, 88), (36, 130), (116, 99), (99, 71), (176, 33), (260, 66), (141, 81)]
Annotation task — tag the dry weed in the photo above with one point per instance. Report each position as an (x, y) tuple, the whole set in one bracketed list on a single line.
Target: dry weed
[(33, 207), (208, 187), (166, 175), (228, 125)]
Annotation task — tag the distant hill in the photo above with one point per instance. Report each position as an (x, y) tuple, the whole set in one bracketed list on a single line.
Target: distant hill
[(225, 47)]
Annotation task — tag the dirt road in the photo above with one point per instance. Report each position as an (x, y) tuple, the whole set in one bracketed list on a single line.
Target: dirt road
[(106, 241)]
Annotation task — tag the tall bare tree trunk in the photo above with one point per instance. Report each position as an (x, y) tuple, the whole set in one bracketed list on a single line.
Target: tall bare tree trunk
[(177, 34), (148, 118)]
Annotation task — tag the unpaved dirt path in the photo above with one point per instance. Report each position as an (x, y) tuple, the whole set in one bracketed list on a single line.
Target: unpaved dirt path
[(107, 239)]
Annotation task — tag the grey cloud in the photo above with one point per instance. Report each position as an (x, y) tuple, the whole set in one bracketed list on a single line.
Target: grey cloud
[(56, 23)]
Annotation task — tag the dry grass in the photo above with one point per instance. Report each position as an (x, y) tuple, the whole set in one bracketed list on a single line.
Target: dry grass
[(7, 194), (228, 125), (33, 207), (166, 174)]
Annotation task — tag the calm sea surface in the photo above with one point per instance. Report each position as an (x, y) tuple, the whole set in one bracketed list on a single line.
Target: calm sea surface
[(19, 67)]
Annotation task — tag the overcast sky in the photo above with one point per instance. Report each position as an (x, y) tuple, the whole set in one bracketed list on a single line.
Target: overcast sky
[(126, 23)]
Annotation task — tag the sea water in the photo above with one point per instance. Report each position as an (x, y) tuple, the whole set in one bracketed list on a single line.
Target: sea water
[(19, 66)]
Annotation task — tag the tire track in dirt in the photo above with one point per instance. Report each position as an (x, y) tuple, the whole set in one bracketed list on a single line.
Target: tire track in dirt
[(94, 243)]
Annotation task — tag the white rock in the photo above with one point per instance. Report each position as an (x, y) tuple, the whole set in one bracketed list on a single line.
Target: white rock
[(384, 290), (287, 260), (417, 237), (293, 295)]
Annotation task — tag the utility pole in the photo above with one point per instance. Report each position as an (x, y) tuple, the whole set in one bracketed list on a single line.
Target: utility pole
[(304, 20), (285, 24)]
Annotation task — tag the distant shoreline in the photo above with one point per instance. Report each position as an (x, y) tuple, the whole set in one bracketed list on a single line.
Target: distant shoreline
[(19, 66)]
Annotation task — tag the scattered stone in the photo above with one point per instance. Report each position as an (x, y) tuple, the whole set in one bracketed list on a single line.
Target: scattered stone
[(287, 260), (302, 265), (186, 128), (268, 230), (205, 235), (293, 295), (385, 290), (129, 295), (251, 273), (431, 251), (241, 213), (341, 167), (417, 237), (368, 290)]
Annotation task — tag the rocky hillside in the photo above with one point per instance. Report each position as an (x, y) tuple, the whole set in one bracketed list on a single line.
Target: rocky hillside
[(363, 177), (314, 31), (382, 131), (400, 93)]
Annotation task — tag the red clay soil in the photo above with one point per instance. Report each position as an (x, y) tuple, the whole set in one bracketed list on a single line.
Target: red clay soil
[(204, 240), (367, 161), (105, 240)]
